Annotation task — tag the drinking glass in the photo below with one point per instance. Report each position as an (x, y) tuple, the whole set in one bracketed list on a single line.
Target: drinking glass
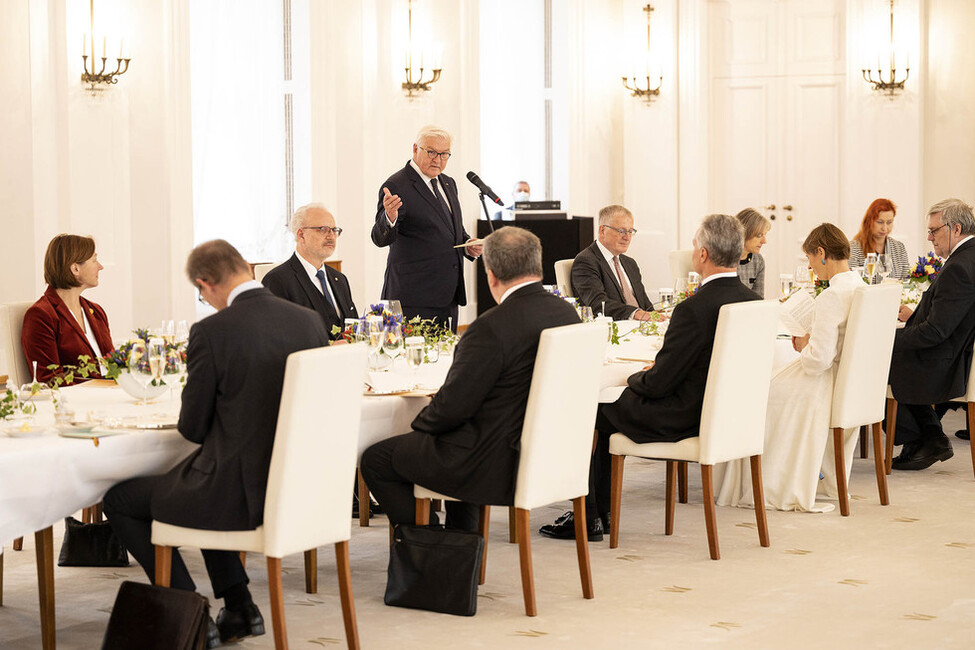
[(393, 307), (871, 266), (785, 284), (693, 280), (374, 330), (585, 313), (414, 355), (393, 342), (884, 264), (167, 330), (680, 290), (139, 367), (666, 297), (182, 332)]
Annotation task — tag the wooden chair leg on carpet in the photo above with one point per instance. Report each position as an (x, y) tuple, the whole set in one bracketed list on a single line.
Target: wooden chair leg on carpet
[(707, 485), (682, 481), (669, 506), (243, 559), (971, 428), (582, 545), (758, 494), (525, 558), (616, 500), (483, 523), (878, 462), (1, 577), (863, 442), (345, 594), (422, 512), (891, 429), (276, 590), (363, 489), (44, 550), (841, 491), (512, 528), (19, 544), (311, 571), (164, 565)]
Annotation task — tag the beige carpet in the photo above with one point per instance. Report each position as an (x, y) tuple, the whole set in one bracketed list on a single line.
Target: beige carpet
[(901, 576)]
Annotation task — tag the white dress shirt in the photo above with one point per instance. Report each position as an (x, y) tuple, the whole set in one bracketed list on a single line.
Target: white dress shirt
[(312, 275), (511, 290), (609, 260), (241, 288), (715, 276)]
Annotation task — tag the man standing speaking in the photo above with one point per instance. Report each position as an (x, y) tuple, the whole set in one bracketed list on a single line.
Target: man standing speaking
[(419, 218)]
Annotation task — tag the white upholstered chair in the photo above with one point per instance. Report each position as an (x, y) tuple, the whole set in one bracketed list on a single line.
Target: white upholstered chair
[(861, 378), (12, 322), (556, 443), (968, 397), (261, 269), (563, 274), (680, 263), (732, 418), (312, 465)]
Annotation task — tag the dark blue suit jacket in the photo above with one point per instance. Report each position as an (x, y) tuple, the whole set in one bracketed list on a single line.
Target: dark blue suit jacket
[(423, 268), (290, 281)]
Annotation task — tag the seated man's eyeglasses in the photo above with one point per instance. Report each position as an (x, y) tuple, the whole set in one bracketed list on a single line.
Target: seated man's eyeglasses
[(324, 229), (623, 231), (431, 154), (931, 231)]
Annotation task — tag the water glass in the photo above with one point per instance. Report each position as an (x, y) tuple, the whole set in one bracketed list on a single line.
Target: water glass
[(585, 313), (666, 297), (393, 342), (785, 284), (693, 280), (680, 290), (414, 355)]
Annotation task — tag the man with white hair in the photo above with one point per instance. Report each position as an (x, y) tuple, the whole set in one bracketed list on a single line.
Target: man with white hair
[(304, 279), (933, 353), (419, 218)]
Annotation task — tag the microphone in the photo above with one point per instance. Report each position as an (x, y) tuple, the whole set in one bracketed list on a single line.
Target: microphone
[(485, 190)]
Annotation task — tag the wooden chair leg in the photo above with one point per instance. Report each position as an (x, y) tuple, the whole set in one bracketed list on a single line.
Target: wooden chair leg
[(669, 506), (276, 590), (971, 428), (483, 523), (86, 515), (19, 544), (710, 517), (682, 481), (1, 577), (99, 512), (863, 442), (311, 571), (512, 528), (164, 565), (878, 462), (615, 500), (891, 429), (582, 544), (243, 559), (525, 558), (840, 461), (436, 505), (422, 512), (44, 551), (758, 494), (363, 489), (345, 594)]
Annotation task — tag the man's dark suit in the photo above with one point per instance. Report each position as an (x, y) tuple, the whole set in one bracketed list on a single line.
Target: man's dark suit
[(236, 360), (466, 442), (290, 281), (933, 352), (423, 271), (594, 281)]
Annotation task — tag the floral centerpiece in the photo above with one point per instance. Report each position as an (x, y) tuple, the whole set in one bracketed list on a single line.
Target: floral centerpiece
[(923, 273), (436, 336), (120, 360)]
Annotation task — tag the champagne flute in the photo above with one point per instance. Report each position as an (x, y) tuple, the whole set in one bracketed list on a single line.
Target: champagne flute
[(680, 290), (693, 280), (182, 332), (138, 364), (168, 331), (393, 342), (871, 266), (374, 331), (414, 355)]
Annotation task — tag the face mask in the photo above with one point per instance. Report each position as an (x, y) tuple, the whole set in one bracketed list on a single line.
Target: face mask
[(521, 196)]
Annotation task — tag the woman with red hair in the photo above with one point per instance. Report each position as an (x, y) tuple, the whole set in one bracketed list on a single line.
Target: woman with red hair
[(874, 237)]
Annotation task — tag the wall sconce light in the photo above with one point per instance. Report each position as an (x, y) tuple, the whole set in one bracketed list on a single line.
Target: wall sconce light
[(648, 93), (101, 79), (891, 85), (415, 84)]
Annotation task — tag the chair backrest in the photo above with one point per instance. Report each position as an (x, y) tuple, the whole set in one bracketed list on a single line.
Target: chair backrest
[(563, 273), (309, 487), (556, 439), (12, 323), (860, 388), (680, 263), (261, 269), (736, 394)]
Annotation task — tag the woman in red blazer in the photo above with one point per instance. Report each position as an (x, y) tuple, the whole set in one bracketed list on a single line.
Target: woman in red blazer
[(61, 325)]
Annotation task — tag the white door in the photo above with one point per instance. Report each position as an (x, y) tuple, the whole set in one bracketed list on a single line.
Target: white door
[(775, 112)]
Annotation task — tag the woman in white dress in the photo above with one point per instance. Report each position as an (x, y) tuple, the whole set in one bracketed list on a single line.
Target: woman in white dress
[(797, 425)]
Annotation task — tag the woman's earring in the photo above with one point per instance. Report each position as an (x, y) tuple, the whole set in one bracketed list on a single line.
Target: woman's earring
[(824, 261)]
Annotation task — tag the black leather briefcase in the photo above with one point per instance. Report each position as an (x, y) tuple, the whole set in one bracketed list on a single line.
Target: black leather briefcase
[(147, 617)]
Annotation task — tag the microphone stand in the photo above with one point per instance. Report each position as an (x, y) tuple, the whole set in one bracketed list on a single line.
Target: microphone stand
[(486, 215)]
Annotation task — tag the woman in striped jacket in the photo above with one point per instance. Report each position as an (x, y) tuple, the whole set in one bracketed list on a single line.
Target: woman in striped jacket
[(874, 237)]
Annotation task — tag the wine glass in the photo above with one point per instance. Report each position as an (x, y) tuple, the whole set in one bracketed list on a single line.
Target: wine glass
[(680, 290), (666, 297), (395, 308), (374, 331), (414, 355), (693, 280), (182, 332), (168, 331), (884, 264), (139, 368), (871, 266), (175, 370), (585, 313), (393, 342), (785, 284)]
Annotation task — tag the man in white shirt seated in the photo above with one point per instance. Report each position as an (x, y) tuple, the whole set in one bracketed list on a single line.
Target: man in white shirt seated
[(604, 278)]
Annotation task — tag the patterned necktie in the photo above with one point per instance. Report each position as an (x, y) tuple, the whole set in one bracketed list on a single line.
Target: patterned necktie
[(628, 296), (328, 297)]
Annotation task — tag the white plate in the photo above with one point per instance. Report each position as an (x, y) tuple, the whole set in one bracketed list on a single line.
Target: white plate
[(75, 427), (41, 396), (17, 432), (91, 434)]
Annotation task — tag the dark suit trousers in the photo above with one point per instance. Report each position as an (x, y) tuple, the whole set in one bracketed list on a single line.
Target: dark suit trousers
[(128, 508), (600, 469), (440, 315), (917, 422), (394, 491)]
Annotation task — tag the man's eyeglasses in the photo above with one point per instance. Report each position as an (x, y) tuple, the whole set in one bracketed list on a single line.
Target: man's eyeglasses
[(200, 298), (931, 231), (431, 154), (623, 231), (324, 229)]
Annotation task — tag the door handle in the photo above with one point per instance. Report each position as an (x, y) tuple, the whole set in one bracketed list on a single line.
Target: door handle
[(787, 207), (788, 217), (770, 207)]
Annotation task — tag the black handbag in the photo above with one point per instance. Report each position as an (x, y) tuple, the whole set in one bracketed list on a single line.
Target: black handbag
[(147, 617), (435, 569), (91, 545)]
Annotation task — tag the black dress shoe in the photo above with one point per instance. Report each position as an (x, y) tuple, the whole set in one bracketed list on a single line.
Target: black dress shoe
[(213, 634), (234, 625), (565, 528), (962, 433), (925, 454)]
